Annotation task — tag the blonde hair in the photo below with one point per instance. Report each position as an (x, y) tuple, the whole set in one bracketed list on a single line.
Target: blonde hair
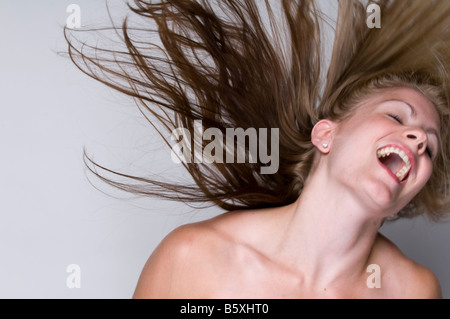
[(218, 64), (411, 49)]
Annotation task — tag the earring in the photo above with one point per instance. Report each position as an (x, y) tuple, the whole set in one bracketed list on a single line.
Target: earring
[(325, 145)]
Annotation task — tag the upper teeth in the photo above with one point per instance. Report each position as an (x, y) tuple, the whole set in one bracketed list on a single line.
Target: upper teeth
[(387, 151)]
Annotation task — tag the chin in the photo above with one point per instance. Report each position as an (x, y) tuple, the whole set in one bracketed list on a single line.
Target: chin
[(380, 198)]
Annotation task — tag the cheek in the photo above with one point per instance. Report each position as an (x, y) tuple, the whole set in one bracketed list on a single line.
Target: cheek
[(355, 144), (360, 134), (363, 125), (424, 171), (422, 176)]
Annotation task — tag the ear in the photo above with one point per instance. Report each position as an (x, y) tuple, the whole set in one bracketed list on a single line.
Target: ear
[(322, 135)]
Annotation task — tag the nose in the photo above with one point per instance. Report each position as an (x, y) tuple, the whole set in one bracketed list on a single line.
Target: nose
[(418, 138)]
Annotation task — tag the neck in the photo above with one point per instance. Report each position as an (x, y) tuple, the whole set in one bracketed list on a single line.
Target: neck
[(335, 230)]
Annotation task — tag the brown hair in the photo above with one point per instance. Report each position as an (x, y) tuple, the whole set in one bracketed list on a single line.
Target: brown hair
[(223, 63)]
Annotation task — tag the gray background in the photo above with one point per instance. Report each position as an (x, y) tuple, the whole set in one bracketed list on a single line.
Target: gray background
[(50, 215)]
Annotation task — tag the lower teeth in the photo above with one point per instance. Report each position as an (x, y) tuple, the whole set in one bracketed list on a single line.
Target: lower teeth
[(401, 176)]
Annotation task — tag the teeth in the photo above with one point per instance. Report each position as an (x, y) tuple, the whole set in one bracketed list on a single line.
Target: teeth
[(402, 173), (406, 167)]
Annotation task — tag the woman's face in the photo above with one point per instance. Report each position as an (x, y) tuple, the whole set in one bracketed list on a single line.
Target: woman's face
[(385, 150)]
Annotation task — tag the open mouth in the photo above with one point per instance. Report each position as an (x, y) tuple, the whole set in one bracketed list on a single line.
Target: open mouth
[(396, 161)]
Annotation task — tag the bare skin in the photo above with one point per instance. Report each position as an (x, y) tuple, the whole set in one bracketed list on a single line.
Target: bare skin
[(210, 260), (321, 245)]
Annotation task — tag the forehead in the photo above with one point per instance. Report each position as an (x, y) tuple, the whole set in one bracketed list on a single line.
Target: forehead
[(421, 105)]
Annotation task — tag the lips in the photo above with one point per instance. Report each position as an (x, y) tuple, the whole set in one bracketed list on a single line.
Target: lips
[(397, 159)]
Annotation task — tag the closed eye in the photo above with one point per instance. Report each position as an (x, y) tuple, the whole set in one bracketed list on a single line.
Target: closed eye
[(396, 117), (400, 121)]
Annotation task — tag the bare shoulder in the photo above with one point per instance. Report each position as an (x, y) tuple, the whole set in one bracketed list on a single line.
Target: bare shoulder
[(186, 262), (401, 276)]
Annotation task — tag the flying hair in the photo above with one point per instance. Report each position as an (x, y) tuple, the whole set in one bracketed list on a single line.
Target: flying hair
[(247, 64)]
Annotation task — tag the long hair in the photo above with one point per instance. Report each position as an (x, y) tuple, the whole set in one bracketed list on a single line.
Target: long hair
[(245, 64)]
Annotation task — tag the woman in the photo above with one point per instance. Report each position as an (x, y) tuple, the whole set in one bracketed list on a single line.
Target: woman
[(367, 143), (319, 246)]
